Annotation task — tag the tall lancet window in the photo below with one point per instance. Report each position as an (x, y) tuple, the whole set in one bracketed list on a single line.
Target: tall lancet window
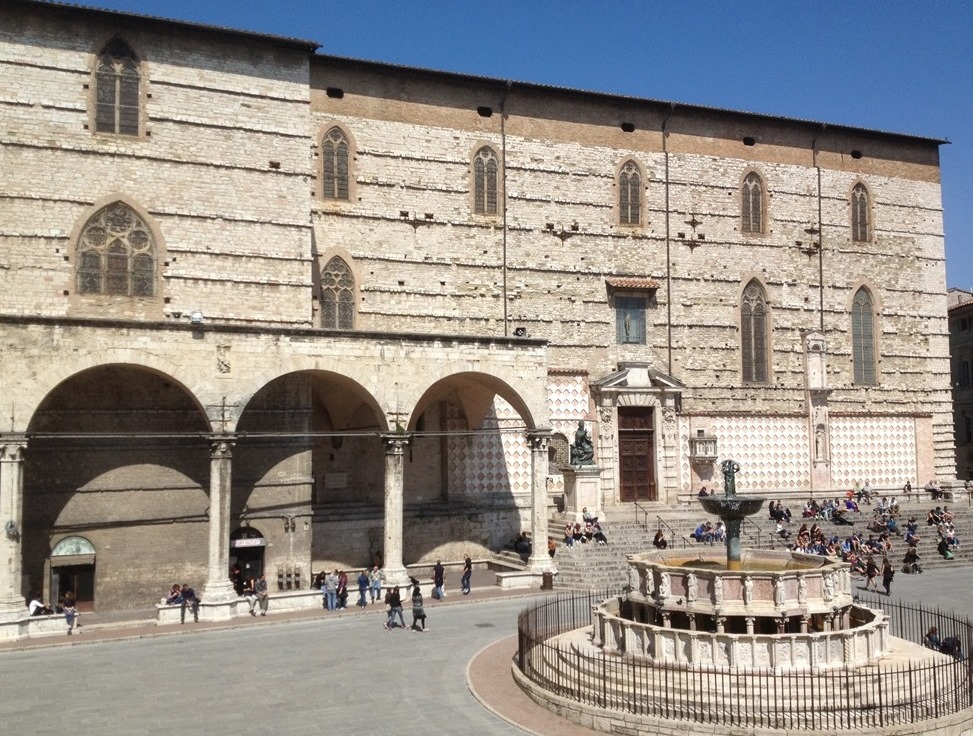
[(117, 95), (753, 334)]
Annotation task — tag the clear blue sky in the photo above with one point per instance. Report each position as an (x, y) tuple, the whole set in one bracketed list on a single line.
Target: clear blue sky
[(897, 65)]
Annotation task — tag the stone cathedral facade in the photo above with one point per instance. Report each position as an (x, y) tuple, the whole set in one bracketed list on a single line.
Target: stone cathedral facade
[(270, 308)]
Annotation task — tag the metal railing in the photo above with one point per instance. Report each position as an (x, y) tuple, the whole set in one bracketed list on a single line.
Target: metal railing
[(668, 527), (882, 695), (645, 515), (764, 539)]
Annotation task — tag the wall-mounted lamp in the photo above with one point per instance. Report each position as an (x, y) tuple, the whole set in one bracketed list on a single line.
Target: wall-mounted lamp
[(428, 218), (196, 318), (11, 530), (695, 238), (815, 245), (561, 232)]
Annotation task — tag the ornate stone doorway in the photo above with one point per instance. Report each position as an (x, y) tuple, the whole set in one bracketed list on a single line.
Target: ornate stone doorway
[(636, 451), (247, 550), (73, 569)]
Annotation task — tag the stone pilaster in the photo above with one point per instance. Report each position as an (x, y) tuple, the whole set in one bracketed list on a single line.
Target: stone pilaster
[(218, 588), (395, 444), (540, 560), (12, 603)]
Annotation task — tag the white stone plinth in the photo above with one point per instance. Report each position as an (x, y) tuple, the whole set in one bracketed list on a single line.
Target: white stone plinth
[(582, 488)]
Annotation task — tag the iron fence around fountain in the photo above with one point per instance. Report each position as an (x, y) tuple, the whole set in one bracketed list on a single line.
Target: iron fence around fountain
[(875, 696)]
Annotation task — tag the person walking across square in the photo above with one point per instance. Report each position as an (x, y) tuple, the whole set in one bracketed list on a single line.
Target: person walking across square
[(263, 594), (331, 591), (70, 611), (418, 613), (467, 574), (375, 583), (363, 585), (439, 580)]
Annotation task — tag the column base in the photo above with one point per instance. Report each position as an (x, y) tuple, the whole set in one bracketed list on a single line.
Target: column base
[(14, 622), (539, 563), (218, 601), (216, 610), (397, 576)]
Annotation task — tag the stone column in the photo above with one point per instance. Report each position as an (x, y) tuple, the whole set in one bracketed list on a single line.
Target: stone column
[(219, 588), (540, 561), (395, 444), (12, 603)]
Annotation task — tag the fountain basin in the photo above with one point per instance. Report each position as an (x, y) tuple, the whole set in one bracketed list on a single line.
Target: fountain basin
[(771, 584), (731, 507)]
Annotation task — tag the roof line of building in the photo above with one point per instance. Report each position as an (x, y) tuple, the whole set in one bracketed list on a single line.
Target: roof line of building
[(313, 46), (299, 43), (662, 104)]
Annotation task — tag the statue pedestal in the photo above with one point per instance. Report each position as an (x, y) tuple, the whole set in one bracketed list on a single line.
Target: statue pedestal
[(582, 487)]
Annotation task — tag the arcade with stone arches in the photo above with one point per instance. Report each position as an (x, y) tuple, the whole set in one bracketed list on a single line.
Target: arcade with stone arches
[(170, 473)]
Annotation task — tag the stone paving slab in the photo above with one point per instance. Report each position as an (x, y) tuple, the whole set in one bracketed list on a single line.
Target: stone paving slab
[(309, 672), (490, 682)]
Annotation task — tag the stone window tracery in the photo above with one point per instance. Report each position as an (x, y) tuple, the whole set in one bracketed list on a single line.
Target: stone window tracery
[(629, 194), (337, 295), (116, 254), (752, 204), (335, 171), (117, 90), (863, 338), (859, 214), (753, 334), (486, 182)]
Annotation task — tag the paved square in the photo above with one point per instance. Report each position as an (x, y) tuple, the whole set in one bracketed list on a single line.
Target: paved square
[(325, 675)]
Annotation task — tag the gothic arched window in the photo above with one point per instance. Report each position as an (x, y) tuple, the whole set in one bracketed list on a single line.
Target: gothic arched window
[(335, 172), (859, 214), (629, 194), (486, 183), (117, 96), (337, 295), (863, 338), (752, 204), (116, 254), (753, 334)]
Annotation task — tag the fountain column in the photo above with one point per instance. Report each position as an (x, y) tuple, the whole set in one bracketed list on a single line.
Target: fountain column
[(732, 511), (733, 542)]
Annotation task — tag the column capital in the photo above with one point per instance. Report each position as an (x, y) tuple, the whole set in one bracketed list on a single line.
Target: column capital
[(395, 442), (221, 445), (12, 446), (538, 439)]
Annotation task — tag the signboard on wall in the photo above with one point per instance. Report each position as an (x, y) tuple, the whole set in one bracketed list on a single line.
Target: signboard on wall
[(253, 542)]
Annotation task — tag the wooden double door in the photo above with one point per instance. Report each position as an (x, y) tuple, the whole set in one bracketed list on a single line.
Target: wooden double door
[(636, 451)]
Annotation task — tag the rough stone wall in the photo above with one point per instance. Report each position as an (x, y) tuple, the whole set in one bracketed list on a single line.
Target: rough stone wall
[(226, 172), (413, 151), (220, 169)]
